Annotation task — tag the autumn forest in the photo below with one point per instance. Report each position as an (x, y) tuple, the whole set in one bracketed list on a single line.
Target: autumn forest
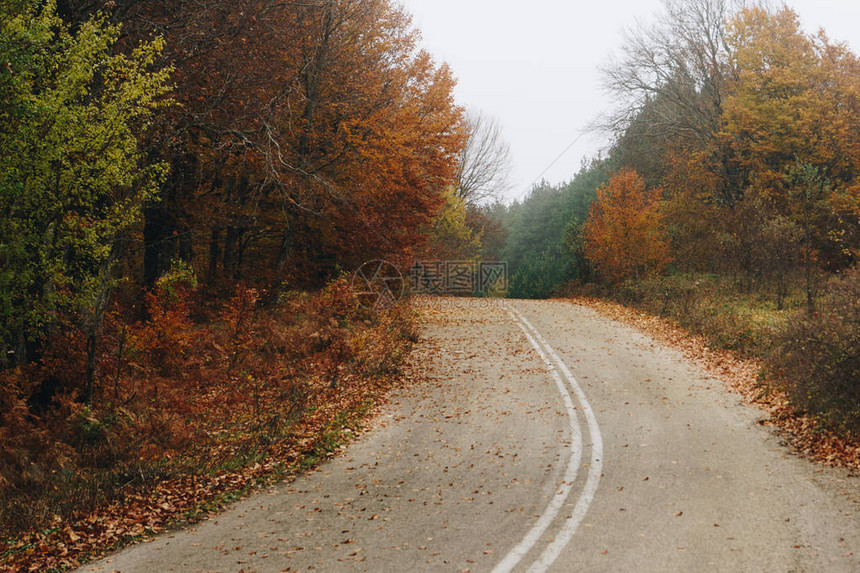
[(187, 188)]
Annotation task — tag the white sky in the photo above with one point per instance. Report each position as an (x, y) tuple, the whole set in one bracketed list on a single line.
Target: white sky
[(532, 64)]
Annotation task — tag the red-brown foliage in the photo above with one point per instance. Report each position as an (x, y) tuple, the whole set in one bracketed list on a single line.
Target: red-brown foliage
[(624, 237), (193, 386)]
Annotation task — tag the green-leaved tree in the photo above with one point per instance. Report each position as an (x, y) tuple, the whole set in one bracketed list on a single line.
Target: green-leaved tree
[(73, 178)]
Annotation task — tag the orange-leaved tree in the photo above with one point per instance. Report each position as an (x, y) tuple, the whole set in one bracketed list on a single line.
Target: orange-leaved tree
[(794, 99), (792, 112), (624, 235)]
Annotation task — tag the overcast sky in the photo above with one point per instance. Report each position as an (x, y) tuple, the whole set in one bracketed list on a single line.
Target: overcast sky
[(533, 65)]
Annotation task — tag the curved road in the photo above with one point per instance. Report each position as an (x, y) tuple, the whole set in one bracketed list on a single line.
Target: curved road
[(545, 438)]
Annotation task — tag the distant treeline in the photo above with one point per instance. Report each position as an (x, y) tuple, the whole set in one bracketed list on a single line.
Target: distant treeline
[(729, 199), (737, 152)]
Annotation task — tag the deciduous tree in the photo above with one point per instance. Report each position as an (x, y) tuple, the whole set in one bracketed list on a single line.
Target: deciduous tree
[(450, 236), (791, 116), (485, 161), (310, 136), (624, 237), (73, 179)]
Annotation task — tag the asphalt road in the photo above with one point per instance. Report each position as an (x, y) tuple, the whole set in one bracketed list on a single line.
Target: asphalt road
[(544, 438)]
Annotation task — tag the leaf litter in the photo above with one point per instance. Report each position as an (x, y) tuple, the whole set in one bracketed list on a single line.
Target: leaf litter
[(742, 376)]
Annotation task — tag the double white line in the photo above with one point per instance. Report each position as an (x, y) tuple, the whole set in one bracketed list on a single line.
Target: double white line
[(558, 370)]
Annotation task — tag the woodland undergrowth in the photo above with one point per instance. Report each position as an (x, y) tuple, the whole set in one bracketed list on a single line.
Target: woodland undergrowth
[(197, 401)]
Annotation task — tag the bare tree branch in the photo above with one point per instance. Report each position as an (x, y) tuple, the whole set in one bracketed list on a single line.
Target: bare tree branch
[(676, 70), (485, 162)]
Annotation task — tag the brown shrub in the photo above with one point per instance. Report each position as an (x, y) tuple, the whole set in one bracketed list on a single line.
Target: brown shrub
[(176, 395), (817, 358)]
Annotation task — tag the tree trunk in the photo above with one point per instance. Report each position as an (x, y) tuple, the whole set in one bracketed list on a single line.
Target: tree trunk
[(91, 368), (159, 243), (230, 243), (312, 77), (810, 298), (240, 255), (283, 250), (186, 245), (214, 254)]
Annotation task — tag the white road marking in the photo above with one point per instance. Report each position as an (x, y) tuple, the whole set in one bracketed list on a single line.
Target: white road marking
[(516, 554), (595, 470), (553, 550)]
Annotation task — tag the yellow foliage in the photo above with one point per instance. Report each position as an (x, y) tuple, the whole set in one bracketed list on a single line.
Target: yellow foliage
[(451, 238)]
